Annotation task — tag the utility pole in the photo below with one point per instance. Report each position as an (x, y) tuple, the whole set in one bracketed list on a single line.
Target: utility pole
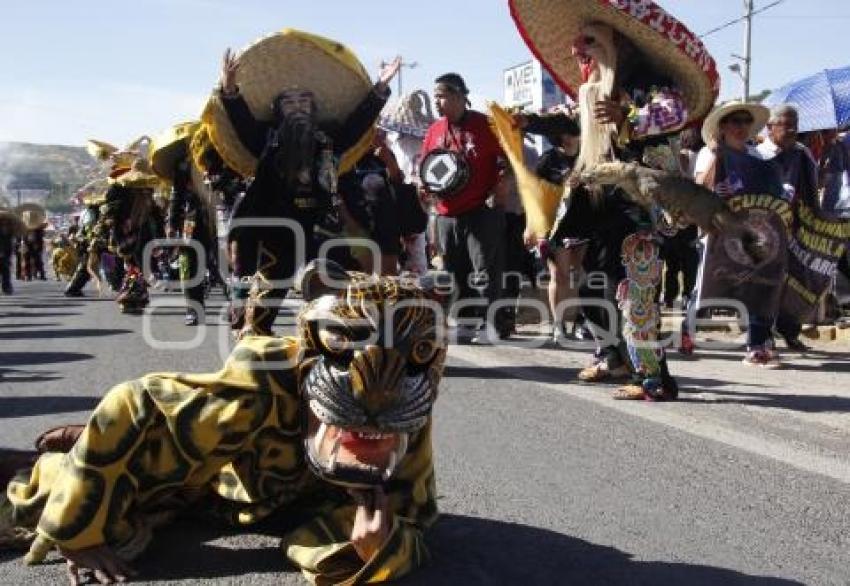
[(747, 59), (409, 65), (748, 4)]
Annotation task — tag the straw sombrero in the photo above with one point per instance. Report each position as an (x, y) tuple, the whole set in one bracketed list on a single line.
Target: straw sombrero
[(711, 126), (550, 26), (94, 199), (284, 60), (411, 116), (201, 148), (18, 226), (33, 215), (139, 176), (171, 146), (92, 192)]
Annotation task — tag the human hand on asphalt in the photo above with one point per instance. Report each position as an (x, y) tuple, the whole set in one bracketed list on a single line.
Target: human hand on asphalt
[(100, 561), (371, 521)]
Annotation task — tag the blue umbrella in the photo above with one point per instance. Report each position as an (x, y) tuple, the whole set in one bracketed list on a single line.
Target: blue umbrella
[(822, 99)]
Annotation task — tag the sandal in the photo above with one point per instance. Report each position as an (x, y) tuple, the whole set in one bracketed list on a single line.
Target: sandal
[(633, 392), (646, 391), (58, 439), (601, 372)]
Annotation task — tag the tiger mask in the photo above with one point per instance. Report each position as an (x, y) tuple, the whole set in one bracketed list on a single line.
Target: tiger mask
[(374, 349)]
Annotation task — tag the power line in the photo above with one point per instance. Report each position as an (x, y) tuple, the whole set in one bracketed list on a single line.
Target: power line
[(740, 19)]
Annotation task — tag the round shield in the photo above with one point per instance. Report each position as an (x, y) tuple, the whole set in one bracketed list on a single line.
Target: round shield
[(443, 172)]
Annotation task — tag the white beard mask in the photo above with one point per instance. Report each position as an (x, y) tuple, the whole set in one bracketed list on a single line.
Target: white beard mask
[(597, 139)]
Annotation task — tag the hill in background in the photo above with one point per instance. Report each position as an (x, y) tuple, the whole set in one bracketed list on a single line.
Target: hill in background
[(48, 174)]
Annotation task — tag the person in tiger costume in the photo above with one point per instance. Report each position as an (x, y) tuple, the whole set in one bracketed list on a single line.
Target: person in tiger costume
[(334, 422)]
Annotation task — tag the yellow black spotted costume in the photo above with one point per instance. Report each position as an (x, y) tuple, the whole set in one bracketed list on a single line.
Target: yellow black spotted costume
[(233, 441)]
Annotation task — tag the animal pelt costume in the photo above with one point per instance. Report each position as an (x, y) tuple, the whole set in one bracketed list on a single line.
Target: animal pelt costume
[(286, 426), (656, 77)]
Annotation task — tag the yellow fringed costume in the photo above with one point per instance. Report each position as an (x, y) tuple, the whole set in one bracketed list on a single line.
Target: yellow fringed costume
[(232, 444), (540, 198)]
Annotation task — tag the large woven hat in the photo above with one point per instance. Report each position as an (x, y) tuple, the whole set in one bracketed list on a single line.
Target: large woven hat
[(549, 28), (139, 176), (171, 146), (286, 60), (9, 215), (711, 126), (411, 116), (33, 215), (93, 192)]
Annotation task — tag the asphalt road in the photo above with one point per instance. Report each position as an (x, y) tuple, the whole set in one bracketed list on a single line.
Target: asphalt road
[(746, 480)]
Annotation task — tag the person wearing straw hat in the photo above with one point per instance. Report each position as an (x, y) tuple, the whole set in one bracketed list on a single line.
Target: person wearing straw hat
[(304, 109), (11, 226), (190, 213), (640, 76), (87, 244), (226, 184), (134, 220), (731, 165), (405, 126), (34, 217)]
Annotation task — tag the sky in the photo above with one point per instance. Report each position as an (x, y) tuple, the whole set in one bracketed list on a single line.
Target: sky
[(79, 69)]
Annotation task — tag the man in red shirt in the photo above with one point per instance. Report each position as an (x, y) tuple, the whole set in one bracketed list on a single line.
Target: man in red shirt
[(470, 231)]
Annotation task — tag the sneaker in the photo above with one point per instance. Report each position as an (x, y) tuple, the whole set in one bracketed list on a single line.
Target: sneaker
[(191, 318), (762, 358), (72, 293), (559, 337), (582, 332), (487, 335)]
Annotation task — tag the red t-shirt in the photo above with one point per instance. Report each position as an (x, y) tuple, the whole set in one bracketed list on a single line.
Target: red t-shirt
[(472, 137)]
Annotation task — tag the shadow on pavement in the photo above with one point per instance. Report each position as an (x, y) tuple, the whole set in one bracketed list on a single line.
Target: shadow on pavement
[(465, 550), (44, 405), (822, 367), (802, 403), (540, 374), (33, 358), (32, 325), (468, 550), (14, 375), (69, 333), (738, 355), (40, 314), (696, 385), (57, 305), (12, 461)]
